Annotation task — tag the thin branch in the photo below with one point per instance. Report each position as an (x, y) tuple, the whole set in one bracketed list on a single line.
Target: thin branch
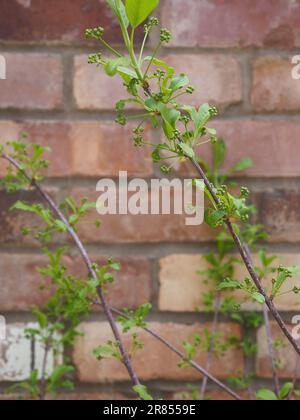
[(211, 345), (102, 300), (43, 390), (195, 365), (248, 263), (271, 350), (88, 262), (269, 337)]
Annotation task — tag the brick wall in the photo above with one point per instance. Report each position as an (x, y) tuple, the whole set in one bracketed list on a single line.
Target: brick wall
[(238, 55)]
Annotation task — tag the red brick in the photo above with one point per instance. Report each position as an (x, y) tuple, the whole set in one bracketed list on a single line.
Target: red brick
[(233, 23), (285, 354), (83, 148), (132, 285), (217, 78), (274, 88), (155, 361), (59, 22), (137, 228), (256, 140), (34, 81), (279, 212), (11, 222), (20, 287), (176, 268), (93, 89)]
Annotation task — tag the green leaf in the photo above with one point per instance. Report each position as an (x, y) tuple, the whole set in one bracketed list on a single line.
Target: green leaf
[(138, 10), (200, 117), (213, 217), (20, 205), (160, 63), (142, 392), (243, 164), (61, 371), (187, 150), (179, 82), (230, 284), (258, 297), (266, 395), (219, 153), (170, 118), (111, 66), (119, 10), (285, 390)]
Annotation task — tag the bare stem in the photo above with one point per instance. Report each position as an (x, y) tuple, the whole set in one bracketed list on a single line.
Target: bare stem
[(84, 254), (271, 350), (211, 345), (248, 263), (195, 365)]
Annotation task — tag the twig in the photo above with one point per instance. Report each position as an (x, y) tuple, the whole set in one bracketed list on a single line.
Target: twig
[(43, 390), (80, 246), (195, 365), (271, 350), (269, 337), (248, 263), (102, 300), (211, 345)]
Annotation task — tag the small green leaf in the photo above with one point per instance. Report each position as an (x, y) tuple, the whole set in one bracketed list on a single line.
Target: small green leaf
[(119, 10), (219, 152), (243, 165), (187, 150), (266, 395), (179, 82), (258, 297), (142, 392), (111, 66), (138, 10), (285, 390)]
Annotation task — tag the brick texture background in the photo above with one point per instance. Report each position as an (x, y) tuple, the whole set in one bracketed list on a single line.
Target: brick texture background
[(238, 56)]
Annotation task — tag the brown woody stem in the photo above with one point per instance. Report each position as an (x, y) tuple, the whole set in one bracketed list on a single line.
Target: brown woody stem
[(88, 262), (247, 261)]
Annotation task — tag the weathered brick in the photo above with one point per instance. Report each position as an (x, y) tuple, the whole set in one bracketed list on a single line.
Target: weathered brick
[(182, 288), (274, 88), (229, 24), (34, 81), (132, 286), (60, 22), (285, 354), (16, 356), (12, 221), (83, 148), (279, 212), (93, 89), (137, 228), (20, 281), (256, 140), (155, 361), (217, 78)]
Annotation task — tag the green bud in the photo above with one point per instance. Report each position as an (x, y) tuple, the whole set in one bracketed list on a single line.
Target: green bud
[(165, 35), (96, 33)]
